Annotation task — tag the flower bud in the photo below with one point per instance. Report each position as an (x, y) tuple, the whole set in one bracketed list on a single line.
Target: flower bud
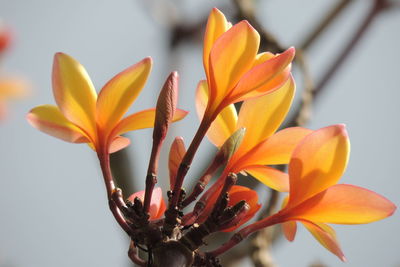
[(166, 106), (231, 145)]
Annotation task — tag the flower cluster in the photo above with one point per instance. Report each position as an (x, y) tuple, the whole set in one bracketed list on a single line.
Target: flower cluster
[(249, 142), (11, 87)]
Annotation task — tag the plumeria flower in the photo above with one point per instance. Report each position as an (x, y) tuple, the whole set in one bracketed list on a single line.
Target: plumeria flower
[(315, 200), (233, 68), (5, 37), (157, 203), (11, 88), (83, 117), (261, 117)]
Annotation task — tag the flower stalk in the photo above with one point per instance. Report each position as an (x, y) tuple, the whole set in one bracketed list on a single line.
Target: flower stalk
[(165, 110)]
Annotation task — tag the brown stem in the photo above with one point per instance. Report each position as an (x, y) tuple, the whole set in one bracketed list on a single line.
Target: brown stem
[(151, 178), (133, 255), (219, 159), (171, 214), (245, 232), (104, 159)]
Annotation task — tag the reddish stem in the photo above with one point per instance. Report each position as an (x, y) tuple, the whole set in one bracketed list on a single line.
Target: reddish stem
[(132, 253), (245, 232), (104, 158), (204, 179), (187, 160), (151, 178)]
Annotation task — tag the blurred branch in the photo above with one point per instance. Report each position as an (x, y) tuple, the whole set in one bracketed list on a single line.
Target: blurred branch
[(183, 31), (325, 22), (262, 241), (303, 111)]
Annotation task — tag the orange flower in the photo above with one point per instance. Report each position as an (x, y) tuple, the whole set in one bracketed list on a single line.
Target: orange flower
[(315, 199), (82, 117), (157, 203), (11, 88), (234, 70), (5, 37), (261, 117)]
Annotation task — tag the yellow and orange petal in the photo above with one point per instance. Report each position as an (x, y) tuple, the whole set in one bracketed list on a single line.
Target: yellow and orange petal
[(50, 120), (276, 149), (318, 162), (216, 26), (326, 236), (231, 56), (343, 204), (120, 92), (263, 78), (74, 93), (273, 107), (143, 119), (224, 125), (269, 176)]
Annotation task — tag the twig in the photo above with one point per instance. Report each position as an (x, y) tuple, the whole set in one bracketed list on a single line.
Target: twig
[(310, 96), (324, 23)]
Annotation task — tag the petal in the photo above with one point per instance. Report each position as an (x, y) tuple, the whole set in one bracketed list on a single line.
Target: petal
[(289, 229), (176, 154), (50, 120), (277, 149), (344, 204), (224, 124), (326, 236), (74, 93), (270, 177), (143, 119), (6, 37), (262, 74), (273, 108), (11, 87), (119, 143), (230, 57), (157, 203), (318, 162), (119, 93), (216, 26), (3, 110)]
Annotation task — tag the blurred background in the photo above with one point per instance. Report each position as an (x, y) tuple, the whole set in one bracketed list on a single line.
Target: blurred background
[(53, 208)]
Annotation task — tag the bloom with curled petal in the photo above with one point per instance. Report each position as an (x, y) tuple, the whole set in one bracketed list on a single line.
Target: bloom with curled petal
[(83, 117), (233, 68), (261, 117), (315, 200), (157, 203)]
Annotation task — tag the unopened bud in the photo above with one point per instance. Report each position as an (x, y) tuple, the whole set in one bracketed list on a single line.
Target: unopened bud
[(231, 144), (166, 106)]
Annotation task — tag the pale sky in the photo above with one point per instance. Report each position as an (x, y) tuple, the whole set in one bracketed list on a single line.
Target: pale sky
[(53, 208)]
